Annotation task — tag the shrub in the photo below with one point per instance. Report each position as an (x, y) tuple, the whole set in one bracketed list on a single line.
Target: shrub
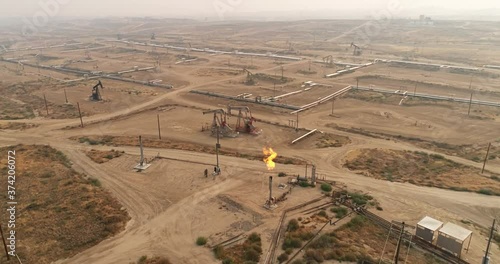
[(283, 257), (315, 255), (339, 211), (496, 178), (200, 241), (322, 213), (109, 156), (251, 255), (254, 237), (298, 261), (324, 241), (289, 251), (228, 261), (293, 225), (219, 252), (356, 222), (304, 184), (281, 174), (485, 191), (95, 182), (142, 259), (326, 187)]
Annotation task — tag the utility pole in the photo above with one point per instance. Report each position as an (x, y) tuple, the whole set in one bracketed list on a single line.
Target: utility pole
[(217, 146), (470, 104), (46, 107), (396, 258), (486, 158), (4, 245), (282, 72), (486, 258), (333, 105), (274, 93), (65, 96), (159, 131), (80, 113), (309, 65), (357, 83), (297, 123)]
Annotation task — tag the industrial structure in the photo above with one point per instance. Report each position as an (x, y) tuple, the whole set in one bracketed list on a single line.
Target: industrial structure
[(96, 94), (219, 124), (357, 50), (245, 120), (143, 163)]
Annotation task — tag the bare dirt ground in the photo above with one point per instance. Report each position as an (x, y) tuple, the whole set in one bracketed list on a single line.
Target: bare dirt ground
[(172, 203)]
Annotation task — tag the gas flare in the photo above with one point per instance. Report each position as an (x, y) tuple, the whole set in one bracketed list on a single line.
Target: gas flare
[(270, 156)]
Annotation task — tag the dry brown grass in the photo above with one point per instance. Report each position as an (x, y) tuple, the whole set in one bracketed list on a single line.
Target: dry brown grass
[(100, 157), (420, 168), (17, 126), (151, 142), (59, 211)]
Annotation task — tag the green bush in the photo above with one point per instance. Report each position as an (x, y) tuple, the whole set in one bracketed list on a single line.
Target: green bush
[(219, 252), (251, 255), (316, 255), (322, 213), (95, 182), (293, 225), (326, 187), (200, 241), (304, 184), (339, 211), (356, 223), (142, 259), (486, 192), (228, 261), (283, 257), (281, 174), (254, 237), (324, 241), (289, 251)]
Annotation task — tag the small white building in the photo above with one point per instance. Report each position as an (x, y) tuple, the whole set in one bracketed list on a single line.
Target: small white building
[(427, 229), (452, 238)]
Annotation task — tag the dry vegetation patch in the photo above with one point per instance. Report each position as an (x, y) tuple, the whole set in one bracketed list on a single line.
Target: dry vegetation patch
[(60, 212), (422, 169), (151, 142), (17, 126), (99, 156), (358, 240), (475, 152), (248, 252), (332, 141)]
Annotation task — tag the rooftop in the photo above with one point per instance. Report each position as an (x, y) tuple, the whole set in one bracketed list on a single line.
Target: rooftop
[(430, 223), (455, 231)]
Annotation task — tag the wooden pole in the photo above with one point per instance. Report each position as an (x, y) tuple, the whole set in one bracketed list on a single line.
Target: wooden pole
[(65, 96), (4, 244), (396, 258), (487, 252), (357, 83), (80, 113), (486, 158), (297, 123), (159, 130), (46, 106), (333, 105), (470, 104), (282, 73)]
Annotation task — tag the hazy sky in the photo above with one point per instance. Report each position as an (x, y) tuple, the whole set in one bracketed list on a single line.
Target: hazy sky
[(230, 8)]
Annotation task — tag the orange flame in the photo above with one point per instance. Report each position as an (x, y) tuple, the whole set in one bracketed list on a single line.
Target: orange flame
[(271, 155)]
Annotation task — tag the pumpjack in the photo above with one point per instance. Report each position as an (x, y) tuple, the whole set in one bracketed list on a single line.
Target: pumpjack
[(357, 49), (220, 124), (245, 120), (96, 94)]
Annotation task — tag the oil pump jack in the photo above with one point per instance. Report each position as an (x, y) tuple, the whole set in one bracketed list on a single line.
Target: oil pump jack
[(250, 80), (96, 94), (245, 115), (219, 123), (357, 49), (328, 60)]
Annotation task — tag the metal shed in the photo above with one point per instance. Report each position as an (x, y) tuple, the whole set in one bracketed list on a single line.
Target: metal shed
[(452, 237), (427, 227)]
